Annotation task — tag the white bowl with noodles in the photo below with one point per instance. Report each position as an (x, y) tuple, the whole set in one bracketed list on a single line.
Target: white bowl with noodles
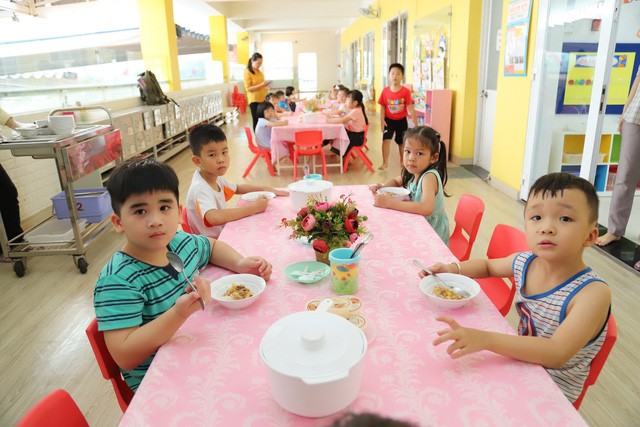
[(399, 193), (428, 283), (252, 282)]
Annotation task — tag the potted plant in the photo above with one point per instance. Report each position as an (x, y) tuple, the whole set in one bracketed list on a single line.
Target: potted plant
[(326, 225)]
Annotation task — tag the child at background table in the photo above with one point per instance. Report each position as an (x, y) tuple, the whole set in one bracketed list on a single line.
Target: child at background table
[(140, 299), (281, 98), (424, 173), (397, 104), (207, 211), (339, 107), (355, 121), (266, 120), (290, 97), (563, 306)]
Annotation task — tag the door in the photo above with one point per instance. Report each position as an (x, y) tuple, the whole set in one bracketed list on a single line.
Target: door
[(489, 68), (571, 71), (385, 53)]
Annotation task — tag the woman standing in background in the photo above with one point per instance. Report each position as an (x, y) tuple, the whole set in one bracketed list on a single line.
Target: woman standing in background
[(9, 208), (255, 85)]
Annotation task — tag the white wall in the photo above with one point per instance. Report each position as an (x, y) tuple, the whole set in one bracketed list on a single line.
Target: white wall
[(324, 44)]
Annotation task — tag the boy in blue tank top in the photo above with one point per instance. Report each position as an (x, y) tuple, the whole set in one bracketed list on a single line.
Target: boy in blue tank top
[(140, 299), (563, 306)]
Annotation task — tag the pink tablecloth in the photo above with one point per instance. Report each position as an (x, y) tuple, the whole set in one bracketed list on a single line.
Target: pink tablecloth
[(210, 372), (280, 135)]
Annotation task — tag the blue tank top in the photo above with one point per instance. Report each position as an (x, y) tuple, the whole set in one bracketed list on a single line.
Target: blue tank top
[(438, 218)]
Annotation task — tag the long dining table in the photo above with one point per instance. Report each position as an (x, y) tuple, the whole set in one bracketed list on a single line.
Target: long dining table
[(211, 374), (283, 136)]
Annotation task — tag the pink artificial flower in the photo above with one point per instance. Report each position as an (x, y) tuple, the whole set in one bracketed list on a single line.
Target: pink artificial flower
[(320, 246), (308, 222), (353, 237), (303, 212), (324, 206)]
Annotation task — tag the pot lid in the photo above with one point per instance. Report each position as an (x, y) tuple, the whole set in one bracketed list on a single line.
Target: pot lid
[(310, 185), (312, 345)]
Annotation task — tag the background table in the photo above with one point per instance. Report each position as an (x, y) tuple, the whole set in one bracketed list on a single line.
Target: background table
[(282, 136), (210, 372)]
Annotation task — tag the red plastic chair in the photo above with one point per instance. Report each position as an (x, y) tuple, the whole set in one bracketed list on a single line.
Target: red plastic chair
[(505, 241), (108, 366), (259, 152), (55, 409), (308, 143), (467, 217), (184, 222), (598, 362), (358, 152)]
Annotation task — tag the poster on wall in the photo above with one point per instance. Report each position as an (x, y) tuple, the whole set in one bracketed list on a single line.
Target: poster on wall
[(517, 37), (577, 69)]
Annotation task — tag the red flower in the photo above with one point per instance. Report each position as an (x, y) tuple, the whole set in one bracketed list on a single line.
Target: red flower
[(320, 246), (303, 212), (351, 225), (308, 222), (324, 206)]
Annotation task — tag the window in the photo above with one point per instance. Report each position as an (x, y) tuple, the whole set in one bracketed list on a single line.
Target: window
[(307, 72), (278, 60)]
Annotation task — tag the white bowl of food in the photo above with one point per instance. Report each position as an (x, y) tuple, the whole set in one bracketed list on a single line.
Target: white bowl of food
[(399, 193), (446, 298), (28, 132), (237, 291)]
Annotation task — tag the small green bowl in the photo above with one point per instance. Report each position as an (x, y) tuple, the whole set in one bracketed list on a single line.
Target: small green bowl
[(307, 271)]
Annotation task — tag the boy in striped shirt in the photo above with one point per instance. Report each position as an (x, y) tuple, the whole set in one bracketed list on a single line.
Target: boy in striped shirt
[(140, 299), (563, 306)]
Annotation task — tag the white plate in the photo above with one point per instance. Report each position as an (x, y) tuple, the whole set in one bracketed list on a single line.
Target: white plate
[(255, 194), (399, 193)]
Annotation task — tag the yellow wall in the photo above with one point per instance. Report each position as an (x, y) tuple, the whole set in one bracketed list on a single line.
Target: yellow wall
[(219, 43), (507, 157), (466, 23)]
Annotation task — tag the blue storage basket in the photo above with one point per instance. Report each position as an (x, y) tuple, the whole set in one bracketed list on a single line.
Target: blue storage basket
[(92, 207)]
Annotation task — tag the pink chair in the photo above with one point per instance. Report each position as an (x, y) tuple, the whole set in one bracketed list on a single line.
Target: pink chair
[(108, 367), (259, 152), (598, 362), (467, 217), (505, 241), (358, 152), (55, 409), (309, 143), (184, 222)]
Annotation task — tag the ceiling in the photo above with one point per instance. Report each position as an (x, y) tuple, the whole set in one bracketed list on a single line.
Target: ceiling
[(261, 16)]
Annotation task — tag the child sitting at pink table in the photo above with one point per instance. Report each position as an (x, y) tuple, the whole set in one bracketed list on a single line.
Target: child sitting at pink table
[(266, 120), (355, 121), (564, 307)]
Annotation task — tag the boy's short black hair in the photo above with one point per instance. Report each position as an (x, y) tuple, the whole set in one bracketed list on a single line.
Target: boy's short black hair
[(278, 94), (140, 176), (289, 90), (202, 135), (262, 107), (554, 183), (398, 66), (267, 97)]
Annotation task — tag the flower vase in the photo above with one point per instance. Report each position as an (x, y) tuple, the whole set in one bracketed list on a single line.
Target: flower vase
[(322, 257)]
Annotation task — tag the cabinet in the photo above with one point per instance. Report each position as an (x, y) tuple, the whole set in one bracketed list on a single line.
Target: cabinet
[(433, 108), (572, 146)]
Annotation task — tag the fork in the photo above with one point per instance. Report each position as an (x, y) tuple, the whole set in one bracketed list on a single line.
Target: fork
[(459, 291)]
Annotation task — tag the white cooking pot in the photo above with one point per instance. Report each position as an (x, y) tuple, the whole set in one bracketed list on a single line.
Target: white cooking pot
[(300, 191), (315, 362)]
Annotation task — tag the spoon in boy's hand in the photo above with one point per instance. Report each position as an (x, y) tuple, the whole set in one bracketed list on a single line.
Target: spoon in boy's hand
[(461, 292), (178, 265)]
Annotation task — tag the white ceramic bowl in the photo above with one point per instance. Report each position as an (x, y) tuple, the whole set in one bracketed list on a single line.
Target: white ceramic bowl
[(300, 191), (463, 282), (255, 283), (399, 193), (29, 132), (62, 125)]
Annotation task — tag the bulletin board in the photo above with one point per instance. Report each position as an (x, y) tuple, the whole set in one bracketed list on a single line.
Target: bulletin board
[(576, 77)]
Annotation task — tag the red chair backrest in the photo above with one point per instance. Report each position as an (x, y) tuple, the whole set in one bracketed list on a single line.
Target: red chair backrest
[(309, 142), (108, 366), (252, 146), (598, 362), (366, 132), (55, 409), (505, 241), (467, 217), (184, 221)]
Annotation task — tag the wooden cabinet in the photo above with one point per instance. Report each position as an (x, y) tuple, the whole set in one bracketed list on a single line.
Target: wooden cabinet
[(433, 108)]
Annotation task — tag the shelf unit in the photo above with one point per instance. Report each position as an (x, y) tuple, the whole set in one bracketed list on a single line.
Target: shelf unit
[(433, 108), (572, 148)]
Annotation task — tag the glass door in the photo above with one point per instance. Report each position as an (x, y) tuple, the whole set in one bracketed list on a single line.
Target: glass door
[(572, 77)]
